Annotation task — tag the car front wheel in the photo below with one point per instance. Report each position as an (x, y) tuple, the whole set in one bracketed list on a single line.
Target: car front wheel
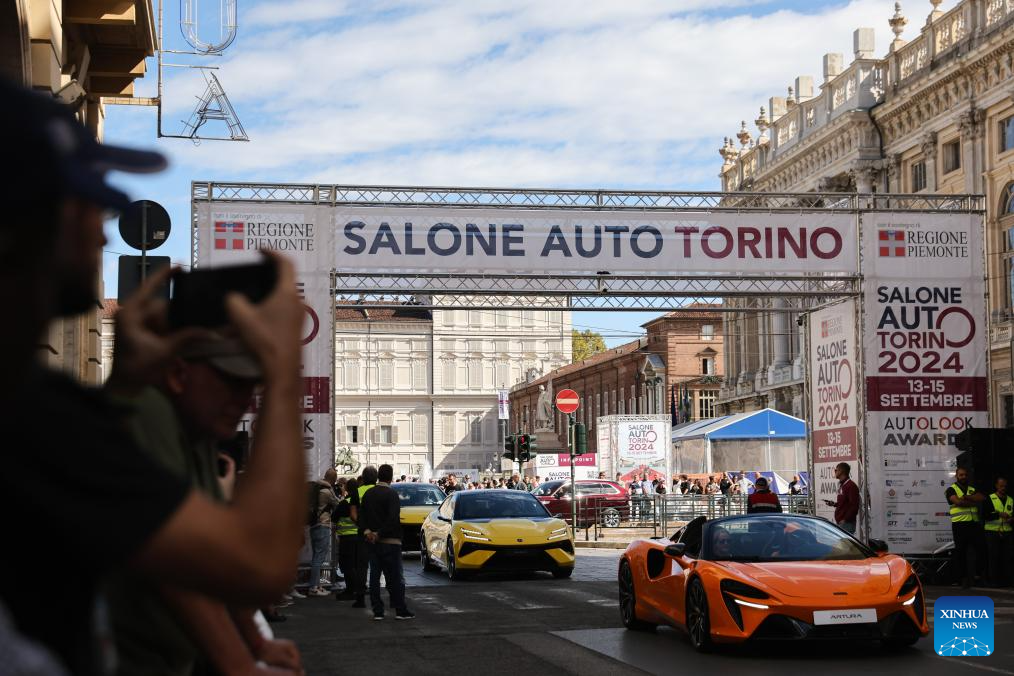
[(698, 620), (452, 563)]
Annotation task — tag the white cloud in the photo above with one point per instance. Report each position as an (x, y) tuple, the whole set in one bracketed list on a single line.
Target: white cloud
[(528, 92)]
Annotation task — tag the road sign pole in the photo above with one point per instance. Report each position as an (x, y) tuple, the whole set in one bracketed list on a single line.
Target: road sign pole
[(144, 241), (573, 486)]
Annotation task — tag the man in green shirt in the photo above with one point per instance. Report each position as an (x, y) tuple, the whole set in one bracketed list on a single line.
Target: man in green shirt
[(163, 631)]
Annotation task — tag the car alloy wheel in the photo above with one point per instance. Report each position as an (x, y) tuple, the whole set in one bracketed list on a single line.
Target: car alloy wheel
[(611, 518), (424, 556), (628, 600), (452, 565), (698, 622)]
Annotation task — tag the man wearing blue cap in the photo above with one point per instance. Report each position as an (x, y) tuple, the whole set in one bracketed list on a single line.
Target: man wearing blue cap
[(73, 480)]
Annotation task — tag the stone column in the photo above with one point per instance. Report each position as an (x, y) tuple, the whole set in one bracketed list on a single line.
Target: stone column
[(971, 125), (799, 364), (928, 145), (780, 334)]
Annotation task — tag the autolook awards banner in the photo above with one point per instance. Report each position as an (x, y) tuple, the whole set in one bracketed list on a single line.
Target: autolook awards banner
[(833, 433), (925, 338)]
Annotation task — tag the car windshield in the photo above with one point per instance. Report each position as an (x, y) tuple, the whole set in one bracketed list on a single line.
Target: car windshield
[(493, 504), (780, 538), (547, 488), (418, 495)]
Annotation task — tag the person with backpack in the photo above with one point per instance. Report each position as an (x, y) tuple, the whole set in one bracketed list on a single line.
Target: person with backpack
[(320, 501)]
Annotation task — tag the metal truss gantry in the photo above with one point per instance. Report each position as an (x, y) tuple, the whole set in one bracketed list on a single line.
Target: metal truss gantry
[(606, 200), (740, 293), (588, 292)]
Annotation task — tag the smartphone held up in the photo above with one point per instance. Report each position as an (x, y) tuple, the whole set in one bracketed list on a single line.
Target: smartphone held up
[(198, 297)]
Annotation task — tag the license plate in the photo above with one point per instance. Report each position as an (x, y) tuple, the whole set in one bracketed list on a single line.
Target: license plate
[(849, 616)]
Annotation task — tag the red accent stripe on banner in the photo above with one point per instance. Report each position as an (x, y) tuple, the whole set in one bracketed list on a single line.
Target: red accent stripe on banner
[(836, 445), (316, 397), (893, 393)]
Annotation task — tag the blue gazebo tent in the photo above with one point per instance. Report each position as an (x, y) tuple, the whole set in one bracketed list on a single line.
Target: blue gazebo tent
[(764, 440)]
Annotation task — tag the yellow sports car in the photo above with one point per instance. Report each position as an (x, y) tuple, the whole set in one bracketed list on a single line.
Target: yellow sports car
[(417, 501), (495, 530)]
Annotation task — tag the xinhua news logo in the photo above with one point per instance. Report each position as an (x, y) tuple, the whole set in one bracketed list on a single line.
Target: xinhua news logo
[(963, 626)]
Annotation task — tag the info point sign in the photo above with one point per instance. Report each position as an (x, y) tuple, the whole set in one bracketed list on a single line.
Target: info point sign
[(897, 371)]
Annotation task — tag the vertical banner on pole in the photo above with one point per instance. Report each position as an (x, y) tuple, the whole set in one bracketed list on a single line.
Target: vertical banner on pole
[(235, 234), (833, 387), (926, 372)]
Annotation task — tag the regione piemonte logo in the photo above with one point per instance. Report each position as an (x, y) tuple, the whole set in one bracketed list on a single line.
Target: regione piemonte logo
[(229, 235), (890, 243), (963, 626)]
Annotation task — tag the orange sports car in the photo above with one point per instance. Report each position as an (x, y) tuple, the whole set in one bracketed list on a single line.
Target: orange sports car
[(770, 576)]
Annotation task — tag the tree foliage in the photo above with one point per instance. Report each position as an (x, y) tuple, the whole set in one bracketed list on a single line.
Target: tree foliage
[(587, 343)]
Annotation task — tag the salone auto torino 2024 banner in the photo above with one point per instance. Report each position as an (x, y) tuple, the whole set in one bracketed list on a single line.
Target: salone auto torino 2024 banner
[(925, 366)]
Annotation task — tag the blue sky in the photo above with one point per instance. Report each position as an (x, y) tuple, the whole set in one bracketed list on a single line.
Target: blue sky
[(513, 93)]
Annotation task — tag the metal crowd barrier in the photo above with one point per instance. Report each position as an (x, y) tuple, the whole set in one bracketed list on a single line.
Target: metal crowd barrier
[(666, 513)]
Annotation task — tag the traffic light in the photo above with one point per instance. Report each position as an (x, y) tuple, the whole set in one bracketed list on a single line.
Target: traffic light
[(580, 439), (510, 447), (527, 447)]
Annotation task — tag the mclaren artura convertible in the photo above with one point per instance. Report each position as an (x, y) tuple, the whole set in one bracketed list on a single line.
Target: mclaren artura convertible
[(770, 576)]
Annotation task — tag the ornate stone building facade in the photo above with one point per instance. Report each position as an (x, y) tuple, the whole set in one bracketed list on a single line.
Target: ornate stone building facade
[(934, 115), (418, 390)]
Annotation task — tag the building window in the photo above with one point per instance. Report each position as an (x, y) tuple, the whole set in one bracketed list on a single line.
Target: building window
[(707, 331), (1007, 134), (352, 375), (352, 434), (419, 375), (386, 434), (474, 374), (450, 373), (951, 153), (386, 368), (708, 366), (918, 176), (705, 405), (1008, 411), (420, 429), (447, 429), (475, 428), (1007, 201)]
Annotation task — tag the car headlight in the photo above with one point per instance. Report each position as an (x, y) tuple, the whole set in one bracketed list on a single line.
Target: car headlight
[(558, 533), (474, 535), (741, 589)]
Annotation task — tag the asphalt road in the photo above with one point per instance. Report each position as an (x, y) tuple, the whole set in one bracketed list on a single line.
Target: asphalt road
[(533, 624)]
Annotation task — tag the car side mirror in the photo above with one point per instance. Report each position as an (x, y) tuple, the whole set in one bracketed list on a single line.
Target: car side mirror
[(559, 516), (879, 547), (677, 550)]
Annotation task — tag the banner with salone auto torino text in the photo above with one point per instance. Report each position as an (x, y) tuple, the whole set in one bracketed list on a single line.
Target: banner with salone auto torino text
[(834, 390), (925, 336), (513, 240)]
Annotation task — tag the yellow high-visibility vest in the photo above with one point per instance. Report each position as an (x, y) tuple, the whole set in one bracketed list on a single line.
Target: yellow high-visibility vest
[(996, 525), (963, 514)]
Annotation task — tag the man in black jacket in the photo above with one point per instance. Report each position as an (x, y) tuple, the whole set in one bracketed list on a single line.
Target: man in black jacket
[(380, 519)]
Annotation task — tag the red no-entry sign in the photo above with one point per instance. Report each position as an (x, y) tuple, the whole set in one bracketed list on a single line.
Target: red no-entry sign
[(567, 401)]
